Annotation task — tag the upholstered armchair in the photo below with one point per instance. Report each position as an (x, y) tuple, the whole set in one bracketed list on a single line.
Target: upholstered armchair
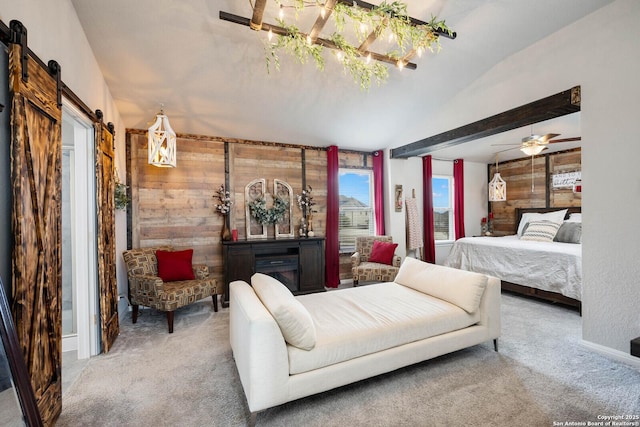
[(382, 267), (185, 284)]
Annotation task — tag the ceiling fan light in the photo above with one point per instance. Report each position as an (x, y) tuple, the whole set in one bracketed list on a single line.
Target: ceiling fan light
[(532, 150), (497, 189)]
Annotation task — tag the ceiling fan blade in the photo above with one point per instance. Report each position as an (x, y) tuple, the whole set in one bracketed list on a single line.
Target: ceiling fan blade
[(544, 139), (506, 149), (575, 138)]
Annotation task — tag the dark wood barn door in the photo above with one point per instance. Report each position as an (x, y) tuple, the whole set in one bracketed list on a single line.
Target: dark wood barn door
[(36, 155), (105, 200)]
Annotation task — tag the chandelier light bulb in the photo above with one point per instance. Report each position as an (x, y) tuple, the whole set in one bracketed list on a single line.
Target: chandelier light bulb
[(281, 12), (369, 58), (270, 34), (339, 56), (400, 64), (363, 27), (309, 40), (420, 52)]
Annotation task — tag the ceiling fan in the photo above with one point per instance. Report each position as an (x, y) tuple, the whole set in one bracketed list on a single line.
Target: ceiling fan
[(534, 144)]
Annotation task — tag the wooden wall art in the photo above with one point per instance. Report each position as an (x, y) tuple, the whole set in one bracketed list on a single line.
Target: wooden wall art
[(257, 197), (253, 191)]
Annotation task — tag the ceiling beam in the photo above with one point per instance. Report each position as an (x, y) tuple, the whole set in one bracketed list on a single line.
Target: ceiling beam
[(560, 104)]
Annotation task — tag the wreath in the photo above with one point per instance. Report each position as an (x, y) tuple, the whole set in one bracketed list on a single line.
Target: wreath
[(264, 216)]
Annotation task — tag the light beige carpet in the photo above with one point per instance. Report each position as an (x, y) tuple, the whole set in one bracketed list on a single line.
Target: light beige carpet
[(540, 376)]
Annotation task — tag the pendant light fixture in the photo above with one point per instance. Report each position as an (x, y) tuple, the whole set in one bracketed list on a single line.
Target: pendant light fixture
[(497, 187), (162, 142)]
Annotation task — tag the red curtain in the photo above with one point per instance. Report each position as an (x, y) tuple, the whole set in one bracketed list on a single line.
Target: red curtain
[(378, 191), (332, 244), (458, 197), (427, 208)]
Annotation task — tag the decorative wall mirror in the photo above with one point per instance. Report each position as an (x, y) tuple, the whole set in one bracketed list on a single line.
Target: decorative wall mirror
[(17, 400)]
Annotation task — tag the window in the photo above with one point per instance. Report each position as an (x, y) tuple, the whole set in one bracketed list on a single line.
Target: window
[(356, 206), (443, 207)]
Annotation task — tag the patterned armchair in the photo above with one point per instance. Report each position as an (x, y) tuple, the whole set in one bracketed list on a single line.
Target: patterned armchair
[(149, 290), (362, 269)]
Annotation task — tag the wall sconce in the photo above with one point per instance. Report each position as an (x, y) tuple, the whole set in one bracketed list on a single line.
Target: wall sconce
[(162, 142)]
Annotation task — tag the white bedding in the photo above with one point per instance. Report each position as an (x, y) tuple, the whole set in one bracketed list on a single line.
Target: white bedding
[(358, 321), (554, 267)]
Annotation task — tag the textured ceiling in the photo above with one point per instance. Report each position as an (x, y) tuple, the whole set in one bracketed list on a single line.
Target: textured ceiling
[(212, 78)]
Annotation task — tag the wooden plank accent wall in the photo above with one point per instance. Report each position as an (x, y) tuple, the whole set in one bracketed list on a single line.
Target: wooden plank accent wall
[(175, 206), (517, 174), (248, 162)]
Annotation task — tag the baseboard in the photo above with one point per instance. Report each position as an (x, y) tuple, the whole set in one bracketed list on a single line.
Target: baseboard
[(612, 354)]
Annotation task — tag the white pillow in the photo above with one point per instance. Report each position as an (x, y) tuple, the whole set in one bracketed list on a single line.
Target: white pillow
[(294, 320), (555, 216), (541, 231), (459, 287), (575, 217)]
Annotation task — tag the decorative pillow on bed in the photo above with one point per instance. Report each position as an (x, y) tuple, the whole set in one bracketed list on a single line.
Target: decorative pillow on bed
[(556, 216), (569, 232), (294, 320), (575, 217), (382, 252), (459, 287), (540, 231)]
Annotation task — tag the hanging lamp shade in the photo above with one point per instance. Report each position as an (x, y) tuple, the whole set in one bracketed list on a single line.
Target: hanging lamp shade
[(497, 189), (162, 143)]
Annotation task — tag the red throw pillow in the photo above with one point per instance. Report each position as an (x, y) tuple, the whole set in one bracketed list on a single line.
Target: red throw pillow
[(382, 252), (175, 265)]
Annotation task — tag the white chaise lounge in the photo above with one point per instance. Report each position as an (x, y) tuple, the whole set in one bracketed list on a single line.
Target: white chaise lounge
[(288, 347)]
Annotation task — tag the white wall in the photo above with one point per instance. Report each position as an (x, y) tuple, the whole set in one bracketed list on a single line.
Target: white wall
[(54, 32), (599, 53), (408, 173)]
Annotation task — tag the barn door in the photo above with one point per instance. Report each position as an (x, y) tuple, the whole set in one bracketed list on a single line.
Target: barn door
[(36, 155), (105, 188)]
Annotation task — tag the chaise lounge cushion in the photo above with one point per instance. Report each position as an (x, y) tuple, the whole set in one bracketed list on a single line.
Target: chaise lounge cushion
[(459, 287), (356, 322), (293, 319)]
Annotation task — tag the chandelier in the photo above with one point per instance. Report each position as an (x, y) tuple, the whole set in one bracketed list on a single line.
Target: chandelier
[(162, 142), (497, 187), (402, 36)]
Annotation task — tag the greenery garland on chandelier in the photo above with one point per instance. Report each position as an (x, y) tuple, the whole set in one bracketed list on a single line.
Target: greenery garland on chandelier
[(264, 216), (387, 17)]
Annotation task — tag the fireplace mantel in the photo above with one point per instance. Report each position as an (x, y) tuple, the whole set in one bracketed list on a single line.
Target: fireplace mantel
[(240, 259)]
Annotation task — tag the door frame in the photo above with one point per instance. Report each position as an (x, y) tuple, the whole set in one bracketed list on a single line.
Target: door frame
[(84, 232)]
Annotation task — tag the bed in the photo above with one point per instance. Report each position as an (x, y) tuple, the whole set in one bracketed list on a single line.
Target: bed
[(547, 270)]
